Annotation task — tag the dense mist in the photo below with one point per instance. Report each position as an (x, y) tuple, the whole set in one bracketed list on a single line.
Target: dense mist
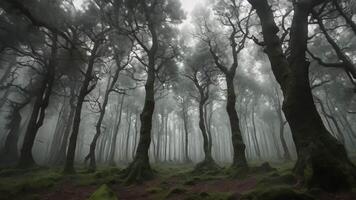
[(226, 95)]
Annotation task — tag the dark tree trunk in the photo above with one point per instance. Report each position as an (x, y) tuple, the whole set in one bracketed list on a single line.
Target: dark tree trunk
[(60, 157), (186, 146), (140, 167), (208, 163), (339, 134), (129, 114), (322, 160), (112, 149), (9, 155), (58, 135), (39, 110), (109, 88), (208, 124), (135, 138), (286, 155), (84, 91), (239, 158)]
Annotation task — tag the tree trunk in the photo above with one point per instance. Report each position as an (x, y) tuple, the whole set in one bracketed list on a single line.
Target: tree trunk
[(208, 163), (112, 149), (135, 138), (9, 155), (239, 157), (39, 110), (129, 114), (59, 132), (186, 147), (84, 90), (322, 160), (109, 87), (140, 167), (60, 157), (286, 155)]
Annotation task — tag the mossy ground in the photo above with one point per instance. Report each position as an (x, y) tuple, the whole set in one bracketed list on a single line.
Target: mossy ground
[(171, 182)]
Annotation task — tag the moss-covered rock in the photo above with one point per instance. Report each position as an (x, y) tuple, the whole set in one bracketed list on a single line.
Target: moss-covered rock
[(103, 193), (276, 179)]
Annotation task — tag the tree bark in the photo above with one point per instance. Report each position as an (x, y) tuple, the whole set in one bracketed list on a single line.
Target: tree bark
[(84, 90), (109, 88), (286, 155), (140, 168), (9, 154), (135, 138), (322, 160), (186, 146), (129, 114), (39, 109), (112, 149), (239, 158), (60, 157)]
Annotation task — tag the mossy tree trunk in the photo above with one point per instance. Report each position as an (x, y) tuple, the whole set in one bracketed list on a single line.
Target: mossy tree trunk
[(239, 156), (140, 168), (322, 160)]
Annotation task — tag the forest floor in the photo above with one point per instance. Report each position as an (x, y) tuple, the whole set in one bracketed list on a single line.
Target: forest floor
[(171, 182)]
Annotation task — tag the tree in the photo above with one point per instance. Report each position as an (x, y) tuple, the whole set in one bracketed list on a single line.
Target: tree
[(229, 14), (40, 105), (199, 71), (322, 160), (121, 64), (96, 36), (150, 17)]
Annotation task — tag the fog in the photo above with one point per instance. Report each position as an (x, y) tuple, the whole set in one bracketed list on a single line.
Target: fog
[(207, 83)]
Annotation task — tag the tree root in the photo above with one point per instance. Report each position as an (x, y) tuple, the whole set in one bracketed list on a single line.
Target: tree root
[(326, 166), (137, 172), (206, 165)]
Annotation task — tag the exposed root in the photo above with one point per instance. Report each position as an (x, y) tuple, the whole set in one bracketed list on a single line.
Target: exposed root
[(137, 172), (206, 165), (326, 166)]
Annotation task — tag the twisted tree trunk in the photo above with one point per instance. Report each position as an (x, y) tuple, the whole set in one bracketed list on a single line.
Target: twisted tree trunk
[(84, 91), (39, 109), (322, 160)]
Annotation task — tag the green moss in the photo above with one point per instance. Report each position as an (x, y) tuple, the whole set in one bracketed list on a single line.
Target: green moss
[(26, 186), (275, 179), (103, 193), (280, 193), (176, 191), (154, 190), (308, 173)]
